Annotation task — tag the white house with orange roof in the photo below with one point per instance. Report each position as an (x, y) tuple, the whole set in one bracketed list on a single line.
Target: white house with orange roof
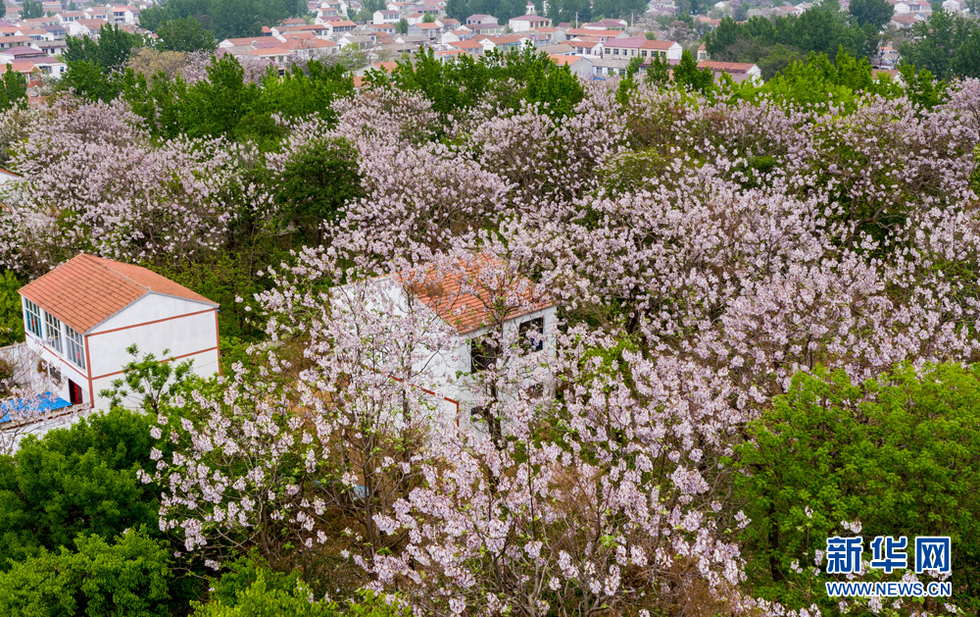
[(580, 66), (81, 317), (480, 300)]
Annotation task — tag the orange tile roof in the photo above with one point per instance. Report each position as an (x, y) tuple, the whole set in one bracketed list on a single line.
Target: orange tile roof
[(728, 67), (658, 44), (466, 45), (564, 59), (387, 67), (466, 312), (86, 290)]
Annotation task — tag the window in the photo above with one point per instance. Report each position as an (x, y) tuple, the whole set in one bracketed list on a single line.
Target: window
[(32, 318), (75, 351), (531, 334), (482, 354), (52, 328)]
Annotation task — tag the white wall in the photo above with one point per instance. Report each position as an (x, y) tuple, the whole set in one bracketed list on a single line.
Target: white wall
[(205, 364), (184, 336), (150, 307)]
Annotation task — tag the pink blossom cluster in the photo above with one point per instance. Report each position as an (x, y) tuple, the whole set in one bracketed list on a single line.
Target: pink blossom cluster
[(94, 181)]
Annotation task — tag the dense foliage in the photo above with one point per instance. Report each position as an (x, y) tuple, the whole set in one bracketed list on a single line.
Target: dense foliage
[(772, 44), (752, 283), (898, 454), (947, 44), (224, 18)]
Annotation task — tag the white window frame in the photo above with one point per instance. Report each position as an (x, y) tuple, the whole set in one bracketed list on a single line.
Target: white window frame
[(52, 332), (33, 310), (74, 347)]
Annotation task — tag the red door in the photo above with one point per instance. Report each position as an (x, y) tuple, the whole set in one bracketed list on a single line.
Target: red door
[(74, 393)]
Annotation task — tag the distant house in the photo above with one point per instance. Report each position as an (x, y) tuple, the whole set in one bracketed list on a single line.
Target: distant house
[(607, 24), (641, 47), (585, 48), (580, 66), (82, 316), (739, 71), (9, 176), (528, 22), (386, 17), (431, 31), (702, 53), (603, 68), (671, 50), (479, 18), (485, 29), (511, 42), (603, 35), (471, 47), (20, 54)]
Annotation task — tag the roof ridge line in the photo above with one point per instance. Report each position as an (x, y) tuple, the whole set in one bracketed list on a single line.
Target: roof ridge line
[(99, 262)]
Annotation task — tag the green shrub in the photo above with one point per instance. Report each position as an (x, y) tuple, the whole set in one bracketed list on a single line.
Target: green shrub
[(900, 454)]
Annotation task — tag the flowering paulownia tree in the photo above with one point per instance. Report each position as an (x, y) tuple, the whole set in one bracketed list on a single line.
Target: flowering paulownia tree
[(597, 501), (341, 431), (95, 182)]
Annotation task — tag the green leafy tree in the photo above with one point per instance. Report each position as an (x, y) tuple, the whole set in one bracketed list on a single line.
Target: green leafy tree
[(687, 74), (217, 105), (3, 10), (458, 10), (572, 11), (618, 8), (152, 17), (943, 46), (11, 316), (185, 34), (249, 588), (658, 72), (128, 577), (823, 29), (14, 89), (467, 82), (32, 9), (873, 13), (779, 58), (89, 80), (402, 26), (148, 382), (76, 480), (236, 18), (301, 93), (110, 51), (898, 453), (921, 87), (315, 184), (627, 86)]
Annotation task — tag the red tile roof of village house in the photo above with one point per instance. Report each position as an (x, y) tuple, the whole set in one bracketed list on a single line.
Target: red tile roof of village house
[(728, 67), (564, 59), (86, 290), (657, 44), (466, 45), (466, 312)]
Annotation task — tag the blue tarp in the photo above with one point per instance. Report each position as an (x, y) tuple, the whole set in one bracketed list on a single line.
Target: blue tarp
[(38, 404)]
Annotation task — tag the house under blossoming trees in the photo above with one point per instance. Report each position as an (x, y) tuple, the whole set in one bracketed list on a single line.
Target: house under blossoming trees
[(479, 305), (81, 317)]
